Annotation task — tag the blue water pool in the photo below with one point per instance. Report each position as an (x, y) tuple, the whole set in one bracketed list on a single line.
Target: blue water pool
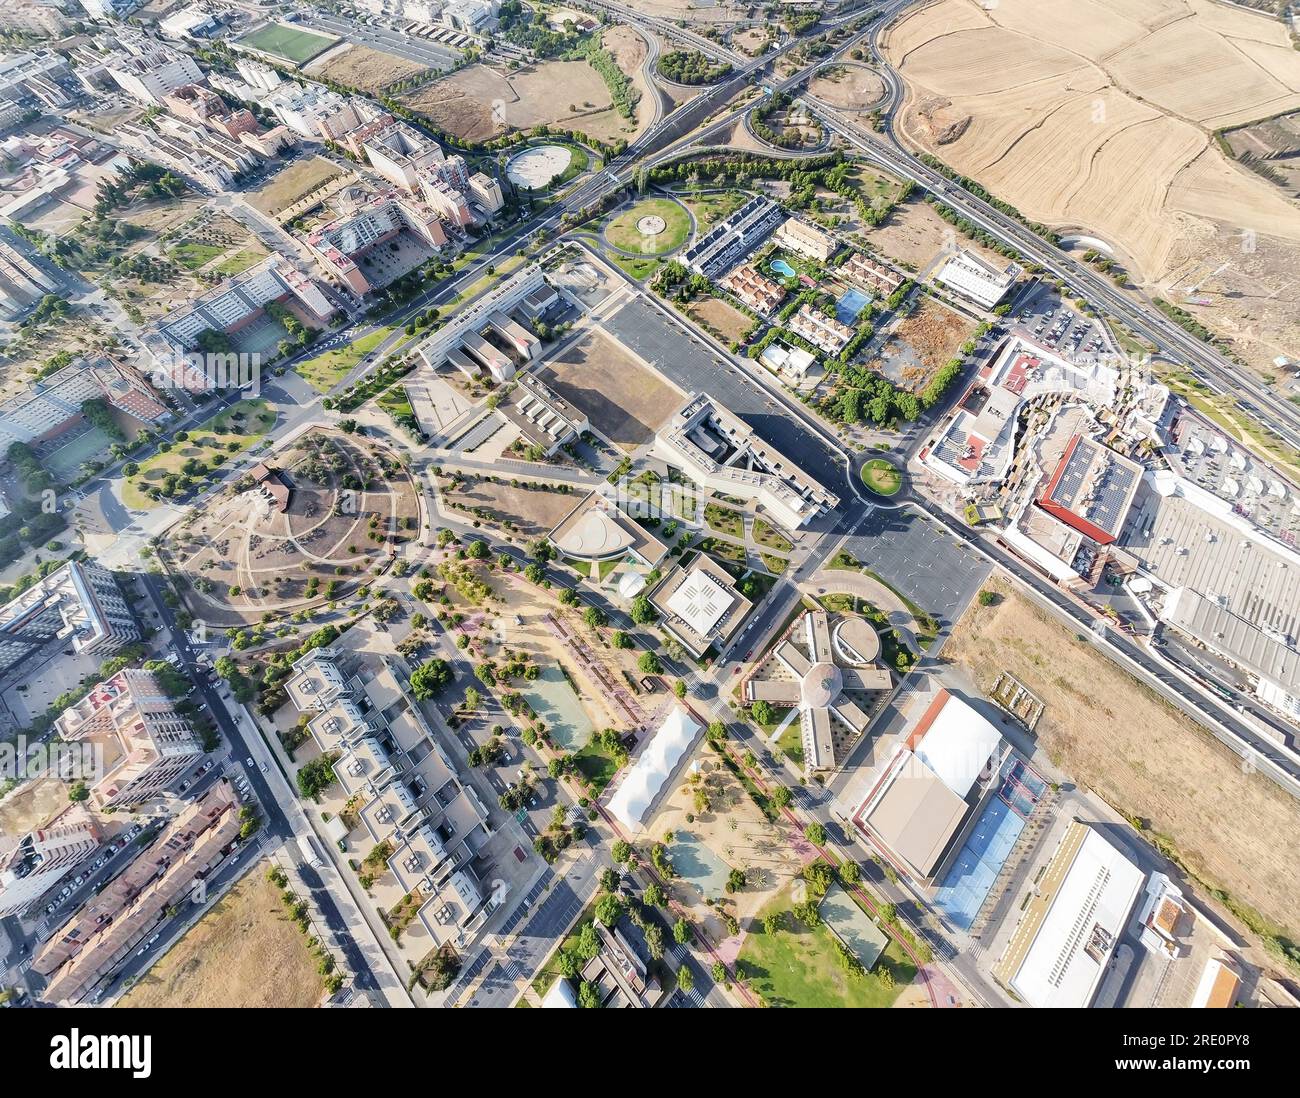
[(850, 304), (781, 267)]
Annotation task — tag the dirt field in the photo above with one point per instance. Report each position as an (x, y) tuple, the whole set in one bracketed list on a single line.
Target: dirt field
[(934, 334), (718, 316), (480, 102), (365, 68), (243, 953), (852, 86), (1146, 759), (533, 511), (625, 401), (292, 184), (1049, 103), (915, 235)]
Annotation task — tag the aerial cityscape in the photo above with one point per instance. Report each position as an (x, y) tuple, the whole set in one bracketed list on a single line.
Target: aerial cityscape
[(660, 503)]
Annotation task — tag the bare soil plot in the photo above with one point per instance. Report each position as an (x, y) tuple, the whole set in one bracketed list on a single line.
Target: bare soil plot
[(719, 317), (292, 184), (245, 952), (1049, 103), (751, 40), (914, 236), (480, 102), (362, 67), (530, 510), (1109, 733), (625, 401), (924, 341), (854, 87)]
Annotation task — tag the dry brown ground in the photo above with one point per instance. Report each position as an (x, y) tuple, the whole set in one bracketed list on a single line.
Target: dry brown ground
[(720, 317), (851, 86), (1146, 759), (245, 952), (532, 510), (914, 234), (1049, 103), (293, 183), (935, 333), (624, 400), (365, 68), (480, 102)]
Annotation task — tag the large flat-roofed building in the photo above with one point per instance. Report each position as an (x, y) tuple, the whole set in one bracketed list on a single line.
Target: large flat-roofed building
[(105, 931), (916, 806), (234, 305), (1067, 934), (806, 239), (80, 604), (342, 246), (733, 238), (545, 420), (317, 113), (399, 152), (977, 279), (147, 70), (504, 298), (720, 452), (147, 743), (1092, 489), (32, 864), (700, 605)]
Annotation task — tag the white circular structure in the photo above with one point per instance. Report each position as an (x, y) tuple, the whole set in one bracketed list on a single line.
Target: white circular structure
[(537, 167), (856, 641), (651, 225)]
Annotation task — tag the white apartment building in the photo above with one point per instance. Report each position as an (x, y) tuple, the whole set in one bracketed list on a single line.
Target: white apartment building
[(315, 111), (148, 70), (399, 152), (486, 191), (257, 74)]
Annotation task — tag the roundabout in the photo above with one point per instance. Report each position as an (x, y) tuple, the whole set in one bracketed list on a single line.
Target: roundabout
[(881, 477), (652, 226)]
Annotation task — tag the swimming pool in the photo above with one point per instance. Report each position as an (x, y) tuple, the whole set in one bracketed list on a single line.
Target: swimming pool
[(781, 267), (850, 304)]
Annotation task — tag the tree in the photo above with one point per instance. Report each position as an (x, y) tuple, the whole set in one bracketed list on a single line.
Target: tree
[(594, 617), (773, 922), (654, 895), (988, 598), (815, 834), (78, 792), (429, 678), (642, 612), (477, 550), (609, 909), (622, 852), (534, 573), (685, 981), (654, 941), (781, 797), (569, 597), (719, 973), (762, 712), (608, 877), (649, 664), (683, 932), (621, 639), (679, 688), (850, 873), (588, 995), (588, 945)]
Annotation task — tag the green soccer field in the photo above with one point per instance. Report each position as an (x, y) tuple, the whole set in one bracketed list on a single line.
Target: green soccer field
[(291, 43)]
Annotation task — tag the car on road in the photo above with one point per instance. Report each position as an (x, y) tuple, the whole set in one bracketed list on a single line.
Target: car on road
[(263, 768), (249, 761)]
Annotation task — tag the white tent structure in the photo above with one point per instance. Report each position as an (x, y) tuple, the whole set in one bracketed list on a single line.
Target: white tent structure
[(642, 784), (958, 745)]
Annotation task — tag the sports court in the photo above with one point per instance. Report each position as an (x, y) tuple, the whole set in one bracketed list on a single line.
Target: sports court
[(695, 863), (989, 844)]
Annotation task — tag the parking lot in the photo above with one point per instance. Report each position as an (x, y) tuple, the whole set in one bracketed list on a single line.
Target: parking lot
[(924, 562), (1043, 316)]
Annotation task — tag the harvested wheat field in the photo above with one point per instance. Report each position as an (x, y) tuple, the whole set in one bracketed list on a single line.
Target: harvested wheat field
[(245, 952), (361, 67), (481, 102), (1107, 732), (1098, 114)]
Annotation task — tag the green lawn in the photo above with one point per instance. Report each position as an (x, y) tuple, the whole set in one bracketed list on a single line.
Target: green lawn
[(790, 743), (775, 565), (291, 43), (640, 269), (768, 535), (238, 263), (725, 520), (622, 231), (881, 477), (712, 208), (192, 255), (241, 425), (798, 967), (325, 371), (595, 765)]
